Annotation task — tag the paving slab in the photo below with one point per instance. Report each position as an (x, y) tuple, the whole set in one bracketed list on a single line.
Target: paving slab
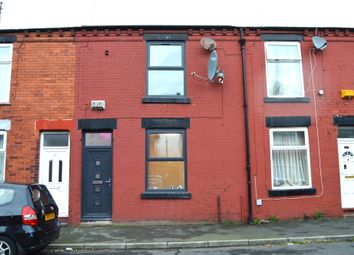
[(201, 235)]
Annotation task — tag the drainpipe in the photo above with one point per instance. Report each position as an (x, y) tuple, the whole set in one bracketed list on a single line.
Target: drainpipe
[(245, 106)]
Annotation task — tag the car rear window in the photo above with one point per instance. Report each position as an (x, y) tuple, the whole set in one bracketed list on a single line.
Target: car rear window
[(6, 195), (40, 195)]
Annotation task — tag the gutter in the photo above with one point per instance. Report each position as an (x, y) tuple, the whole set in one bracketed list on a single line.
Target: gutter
[(245, 106)]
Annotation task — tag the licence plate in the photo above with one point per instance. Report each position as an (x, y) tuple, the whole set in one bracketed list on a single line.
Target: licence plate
[(49, 216)]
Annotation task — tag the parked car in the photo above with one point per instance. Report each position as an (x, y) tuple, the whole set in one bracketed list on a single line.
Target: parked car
[(28, 218)]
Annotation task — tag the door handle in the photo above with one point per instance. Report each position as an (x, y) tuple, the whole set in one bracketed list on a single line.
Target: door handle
[(109, 182)]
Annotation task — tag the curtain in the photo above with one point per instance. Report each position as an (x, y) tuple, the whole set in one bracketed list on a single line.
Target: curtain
[(290, 165)]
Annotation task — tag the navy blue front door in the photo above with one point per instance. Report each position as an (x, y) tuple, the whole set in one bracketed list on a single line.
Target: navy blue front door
[(96, 178)]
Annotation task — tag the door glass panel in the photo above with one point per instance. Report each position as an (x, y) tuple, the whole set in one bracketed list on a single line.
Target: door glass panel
[(98, 139), (56, 140), (60, 170), (50, 176)]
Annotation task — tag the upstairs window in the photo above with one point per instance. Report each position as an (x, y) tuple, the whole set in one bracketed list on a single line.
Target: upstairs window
[(2, 155), (5, 72), (166, 69), (284, 69)]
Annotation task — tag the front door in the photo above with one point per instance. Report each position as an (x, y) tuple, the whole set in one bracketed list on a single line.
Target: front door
[(97, 176), (346, 171), (54, 168)]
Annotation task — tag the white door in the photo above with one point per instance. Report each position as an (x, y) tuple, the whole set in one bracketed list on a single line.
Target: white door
[(346, 171), (54, 168)]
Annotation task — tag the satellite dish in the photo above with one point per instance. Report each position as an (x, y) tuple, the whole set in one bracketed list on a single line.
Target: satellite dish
[(213, 65), (208, 43), (319, 42)]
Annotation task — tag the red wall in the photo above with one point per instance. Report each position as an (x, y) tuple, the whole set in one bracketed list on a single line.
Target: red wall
[(332, 71), (42, 91), (56, 77), (215, 139)]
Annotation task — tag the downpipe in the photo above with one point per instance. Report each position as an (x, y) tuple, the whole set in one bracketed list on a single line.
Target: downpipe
[(245, 106)]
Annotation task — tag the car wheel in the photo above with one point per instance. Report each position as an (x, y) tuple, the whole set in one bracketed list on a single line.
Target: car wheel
[(7, 246)]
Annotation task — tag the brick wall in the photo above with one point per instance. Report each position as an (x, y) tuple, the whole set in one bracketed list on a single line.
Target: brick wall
[(332, 70), (216, 166), (42, 88), (55, 78)]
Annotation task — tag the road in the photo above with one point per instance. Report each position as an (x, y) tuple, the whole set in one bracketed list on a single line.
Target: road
[(308, 249)]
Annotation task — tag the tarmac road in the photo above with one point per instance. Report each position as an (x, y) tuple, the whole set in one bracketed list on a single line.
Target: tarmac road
[(308, 249)]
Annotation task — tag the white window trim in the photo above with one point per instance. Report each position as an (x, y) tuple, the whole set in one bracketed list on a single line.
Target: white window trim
[(4, 133), (8, 62), (297, 44), (306, 146)]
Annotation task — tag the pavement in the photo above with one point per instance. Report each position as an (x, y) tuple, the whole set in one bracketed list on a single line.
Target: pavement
[(161, 235)]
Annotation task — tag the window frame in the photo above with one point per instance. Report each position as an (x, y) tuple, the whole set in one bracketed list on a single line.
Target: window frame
[(7, 62), (165, 159), (299, 61), (3, 149), (301, 147), (166, 68)]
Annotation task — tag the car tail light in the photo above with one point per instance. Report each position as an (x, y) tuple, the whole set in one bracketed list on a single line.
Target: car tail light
[(29, 216)]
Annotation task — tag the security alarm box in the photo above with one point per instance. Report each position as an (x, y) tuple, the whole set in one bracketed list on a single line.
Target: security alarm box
[(347, 93), (98, 105)]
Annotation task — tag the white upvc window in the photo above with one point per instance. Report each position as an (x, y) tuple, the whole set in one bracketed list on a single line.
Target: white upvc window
[(290, 158), (3, 135), (166, 69), (284, 69), (5, 72)]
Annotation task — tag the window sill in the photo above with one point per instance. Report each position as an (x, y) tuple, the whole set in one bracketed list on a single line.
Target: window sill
[(291, 192), (165, 100), (166, 195), (286, 100)]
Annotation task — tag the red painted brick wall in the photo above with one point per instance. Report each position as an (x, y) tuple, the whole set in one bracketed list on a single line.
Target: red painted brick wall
[(55, 78), (332, 71), (215, 139), (42, 88)]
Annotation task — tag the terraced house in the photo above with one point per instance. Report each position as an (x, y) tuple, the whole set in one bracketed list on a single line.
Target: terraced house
[(180, 123)]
